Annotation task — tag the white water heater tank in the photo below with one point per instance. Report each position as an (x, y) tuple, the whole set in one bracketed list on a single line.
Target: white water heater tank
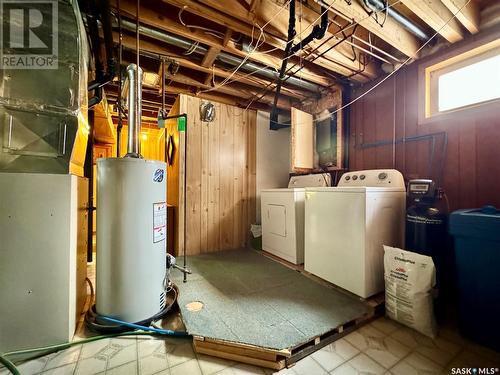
[(131, 238)]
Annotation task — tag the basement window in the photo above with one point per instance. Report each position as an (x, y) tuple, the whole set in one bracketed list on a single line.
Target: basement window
[(463, 82)]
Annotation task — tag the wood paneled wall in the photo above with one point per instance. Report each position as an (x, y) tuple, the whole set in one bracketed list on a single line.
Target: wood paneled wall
[(220, 177), (471, 176)]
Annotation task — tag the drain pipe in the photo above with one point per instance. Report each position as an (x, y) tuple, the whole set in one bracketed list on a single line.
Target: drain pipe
[(134, 111), (318, 32), (382, 6)]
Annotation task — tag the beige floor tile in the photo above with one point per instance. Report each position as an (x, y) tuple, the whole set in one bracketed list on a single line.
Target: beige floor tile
[(185, 368), (180, 354), (149, 347), (386, 325), (361, 364), (334, 354), (362, 337), (64, 357), (92, 348), (152, 364), (124, 341), (386, 351), (484, 352), (124, 355), (210, 365), (306, 366), (409, 337), (90, 366), (439, 350), (416, 364), (242, 369), (466, 359), (451, 334), (63, 370), (125, 369), (32, 367)]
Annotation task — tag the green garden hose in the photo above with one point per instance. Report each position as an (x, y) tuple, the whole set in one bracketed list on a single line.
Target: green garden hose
[(55, 348)]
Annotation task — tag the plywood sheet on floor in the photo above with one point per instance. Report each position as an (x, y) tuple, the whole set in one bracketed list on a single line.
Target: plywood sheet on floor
[(249, 298)]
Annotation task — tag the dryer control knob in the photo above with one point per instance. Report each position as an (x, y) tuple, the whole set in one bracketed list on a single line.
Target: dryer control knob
[(382, 176)]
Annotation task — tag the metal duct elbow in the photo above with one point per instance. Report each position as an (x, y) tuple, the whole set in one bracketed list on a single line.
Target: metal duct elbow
[(134, 76)]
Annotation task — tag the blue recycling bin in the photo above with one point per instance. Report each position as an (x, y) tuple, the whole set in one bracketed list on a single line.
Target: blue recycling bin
[(476, 234)]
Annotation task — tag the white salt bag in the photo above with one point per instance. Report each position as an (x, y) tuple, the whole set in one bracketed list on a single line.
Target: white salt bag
[(409, 279)]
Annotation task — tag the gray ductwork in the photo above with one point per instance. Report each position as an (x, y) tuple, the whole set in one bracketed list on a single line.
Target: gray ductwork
[(223, 57), (43, 112), (380, 6), (134, 76)]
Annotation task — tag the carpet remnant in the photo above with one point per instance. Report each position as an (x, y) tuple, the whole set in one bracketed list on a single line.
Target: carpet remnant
[(245, 297)]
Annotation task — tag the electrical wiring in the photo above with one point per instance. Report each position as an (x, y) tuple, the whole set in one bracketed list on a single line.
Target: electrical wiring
[(257, 44), (207, 30), (266, 89), (404, 63), (192, 48), (228, 79)]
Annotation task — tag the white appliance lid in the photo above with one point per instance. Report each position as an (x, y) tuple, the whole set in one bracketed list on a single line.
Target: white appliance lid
[(310, 180), (283, 190)]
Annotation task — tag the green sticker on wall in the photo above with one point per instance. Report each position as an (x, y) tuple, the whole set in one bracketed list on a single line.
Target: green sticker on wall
[(181, 124)]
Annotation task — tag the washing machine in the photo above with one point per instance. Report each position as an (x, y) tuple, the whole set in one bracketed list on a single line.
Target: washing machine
[(282, 213), (346, 227)]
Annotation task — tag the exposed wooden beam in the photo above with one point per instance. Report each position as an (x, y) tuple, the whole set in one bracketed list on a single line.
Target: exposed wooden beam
[(227, 37), (213, 51), (166, 22), (271, 13), (392, 32), (337, 56), (236, 90), (210, 56), (156, 48), (253, 5), (468, 14), (437, 15)]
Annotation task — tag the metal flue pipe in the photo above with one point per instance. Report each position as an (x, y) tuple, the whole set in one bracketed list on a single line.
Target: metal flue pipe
[(134, 99)]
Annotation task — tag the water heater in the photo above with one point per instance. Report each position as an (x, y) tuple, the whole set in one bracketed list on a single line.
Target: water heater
[(131, 227), (131, 234)]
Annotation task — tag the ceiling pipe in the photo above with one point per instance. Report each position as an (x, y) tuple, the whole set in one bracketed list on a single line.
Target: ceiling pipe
[(222, 57), (318, 32), (382, 6)]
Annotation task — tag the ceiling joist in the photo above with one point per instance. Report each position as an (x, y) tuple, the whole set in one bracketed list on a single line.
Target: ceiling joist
[(438, 16), (467, 13)]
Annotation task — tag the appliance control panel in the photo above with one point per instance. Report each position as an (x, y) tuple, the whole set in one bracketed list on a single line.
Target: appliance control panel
[(373, 178), (310, 180)]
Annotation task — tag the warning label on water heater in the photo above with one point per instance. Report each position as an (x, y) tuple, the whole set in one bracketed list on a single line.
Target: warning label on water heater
[(159, 221)]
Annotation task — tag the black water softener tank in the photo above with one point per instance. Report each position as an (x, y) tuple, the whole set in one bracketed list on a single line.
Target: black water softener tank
[(426, 233)]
